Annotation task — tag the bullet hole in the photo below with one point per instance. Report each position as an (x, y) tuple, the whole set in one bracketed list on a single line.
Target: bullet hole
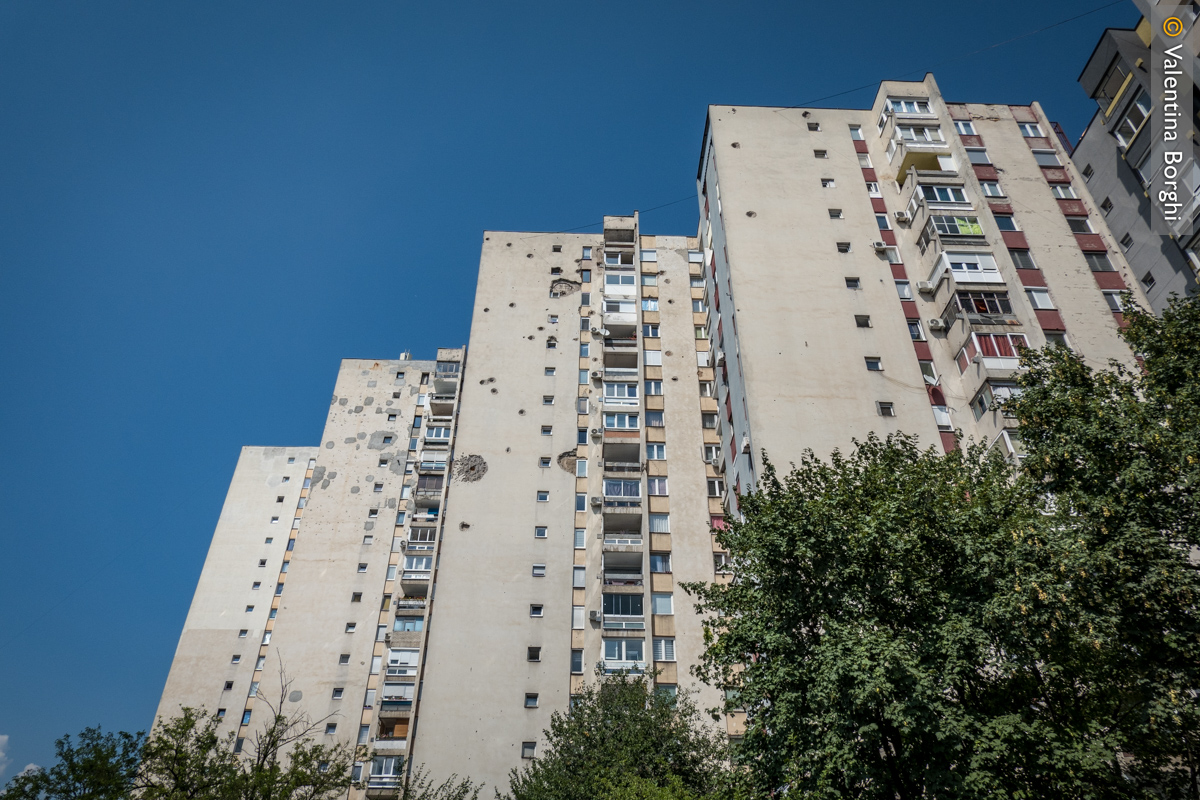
[(667, 353), (491, 380), (462, 526), (521, 412), (674, 379), (512, 305), (735, 145), (495, 390), (541, 328), (509, 244), (670, 302), (485, 310), (481, 383), (529, 255), (666, 280), (751, 213), (508, 449), (530, 338)]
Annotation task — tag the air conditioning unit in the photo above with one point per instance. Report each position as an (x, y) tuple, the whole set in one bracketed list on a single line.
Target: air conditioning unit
[(594, 616), (718, 464), (720, 358), (879, 245), (936, 324), (597, 501), (597, 374), (924, 287), (745, 443), (597, 433), (596, 331), (902, 216)]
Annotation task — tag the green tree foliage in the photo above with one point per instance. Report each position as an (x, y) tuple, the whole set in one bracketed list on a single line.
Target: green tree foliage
[(96, 766), (625, 741), (905, 624), (417, 785)]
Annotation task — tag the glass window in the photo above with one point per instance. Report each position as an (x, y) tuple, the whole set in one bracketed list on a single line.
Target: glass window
[(649, 304), (662, 603), (1079, 225), (656, 452), (660, 562), (656, 486), (1005, 222), (580, 538), (654, 419), (1134, 117), (660, 523), (856, 133), (978, 155), (1039, 298), (1065, 191), (1098, 262), (944, 194), (904, 289), (964, 127), (1046, 158), (991, 189)]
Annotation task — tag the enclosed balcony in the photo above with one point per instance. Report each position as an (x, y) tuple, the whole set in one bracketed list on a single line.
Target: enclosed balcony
[(945, 231), (622, 452), (428, 491), (445, 377), (622, 497), (621, 469), (623, 612), (418, 570), (917, 144), (623, 541), (437, 437), (620, 318)]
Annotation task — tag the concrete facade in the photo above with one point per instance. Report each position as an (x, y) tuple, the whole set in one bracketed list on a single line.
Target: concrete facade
[(1114, 158), (855, 271)]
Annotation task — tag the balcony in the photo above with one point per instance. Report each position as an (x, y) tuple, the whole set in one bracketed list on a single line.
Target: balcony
[(441, 404), (383, 744), (623, 542), (623, 578), (437, 442), (621, 468), (621, 373), (621, 402), (405, 604), (445, 377), (906, 154), (431, 467), (966, 268), (614, 622), (949, 230), (415, 583), (426, 515), (384, 785), (395, 707), (611, 667)]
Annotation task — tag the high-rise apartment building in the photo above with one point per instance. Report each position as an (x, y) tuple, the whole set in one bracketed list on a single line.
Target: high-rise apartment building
[(855, 270), (1114, 155)]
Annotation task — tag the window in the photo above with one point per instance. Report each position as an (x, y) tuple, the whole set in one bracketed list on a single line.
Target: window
[(664, 649), (577, 618), (624, 650), (649, 304), (941, 417), (656, 452), (618, 258), (856, 133), (587, 253), (882, 221), (1030, 130), (543, 497), (1057, 340), (549, 371), (408, 624), (835, 213), (992, 395), (708, 420), (580, 538), (874, 364), (654, 419), (928, 372), (904, 290), (886, 409), (914, 330), (350, 626), (843, 247), (1022, 259), (1005, 222), (944, 194), (1148, 280), (344, 659), (1046, 158), (581, 435), (991, 189), (716, 487), (579, 577), (1134, 118), (862, 321), (1079, 225), (698, 306), (1126, 243), (338, 692), (899, 106), (257, 584), (547, 399), (1039, 298), (873, 189), (864, 161), (356, 597), (978, 155), (249, 609), (1098, 262), (539, 570), (1088, 172), (576, 662), (659, 562), (656, 486), (964, 128), (1114, 301), (650, 331), (418, 563), (1065, 191), (237, 659), (660, 523), (547, 430), (580, 501), (260, 663), (852, 283), (621, 420), (820, 154), (653, 358), (535, 610), (991, 345), (581, 468), (662, 603), (983, 302), (955, 226), (528, 749), (814, 126), (544, 462), (707, 389), (827, 183)]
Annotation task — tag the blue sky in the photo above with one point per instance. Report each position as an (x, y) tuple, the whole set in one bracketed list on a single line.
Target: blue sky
[(203, 206)]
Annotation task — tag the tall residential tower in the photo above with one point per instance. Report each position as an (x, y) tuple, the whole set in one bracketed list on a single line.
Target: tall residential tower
[(855, 271)]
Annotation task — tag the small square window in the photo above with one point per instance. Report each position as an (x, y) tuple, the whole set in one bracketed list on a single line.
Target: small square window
[(369, 539), (544, 462), (1087, 172), (533, 654), (279, 499), (835, 213), (531, 700), (391, 418), (1079, 225), (547, 399), (378, 487), (864, 161), (344, 659), (249, 609), (292, 460), (362, 567), (549, 370), (547, 430), (356, 597), (587, 253), (843, 247), (862, 321), (1148, 280), (543, 497), (1126, 242), (237, 659), (556, 248), (528, 749), (228, 685), (372, 513), (1106, 205), (274, 520), (539, 570), (886, 409), (257, 585), (814, 126), (387, 440), (220, 713), (330, 728), (874, 364), (820, 154), (827, 183), (350, 626), (535, 610), (262, 562), (539, 532)]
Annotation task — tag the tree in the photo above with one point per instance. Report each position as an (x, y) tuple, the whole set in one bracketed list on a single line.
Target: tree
[(186, 758), (417, 785), (99, 766), (623, 740)]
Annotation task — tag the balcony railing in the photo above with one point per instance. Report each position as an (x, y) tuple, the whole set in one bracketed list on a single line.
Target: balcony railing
[(624, 666), (384, 782), (623, 540), (629, 343), (622, 503), (623, 579), (622, 467), (615, 622), (620, 373), (431, 466), (621, 401)]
